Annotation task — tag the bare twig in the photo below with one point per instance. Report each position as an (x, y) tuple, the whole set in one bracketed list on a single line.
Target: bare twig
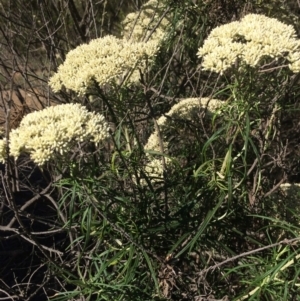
[(283, 242)]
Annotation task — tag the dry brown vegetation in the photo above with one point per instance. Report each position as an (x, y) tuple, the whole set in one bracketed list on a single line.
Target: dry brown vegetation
[(21, 102)]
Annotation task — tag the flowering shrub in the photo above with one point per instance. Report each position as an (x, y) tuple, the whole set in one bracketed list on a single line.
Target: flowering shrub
[(187, 109), (213, 164), (101, 61), (250, 41), (53, 130)]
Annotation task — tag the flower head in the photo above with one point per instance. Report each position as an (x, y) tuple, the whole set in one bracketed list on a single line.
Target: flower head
[(102, 61), (3, 144), (55, 130), (186, 109), (250, 41), (138, 26)]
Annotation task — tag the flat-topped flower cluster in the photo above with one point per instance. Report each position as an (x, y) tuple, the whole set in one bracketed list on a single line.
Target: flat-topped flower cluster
[(3, 144), (102, 61), (55, 130), (109, 59), (250, 41), (186, 109), (146, 24)]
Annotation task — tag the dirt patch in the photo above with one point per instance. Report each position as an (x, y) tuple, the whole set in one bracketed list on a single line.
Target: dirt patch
[(21, 102)]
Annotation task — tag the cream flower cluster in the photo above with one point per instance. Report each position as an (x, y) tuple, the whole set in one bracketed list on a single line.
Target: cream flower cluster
[(103, 61), (250, 40), (139, 25), (3, 144), (186, 109), (56, 129)]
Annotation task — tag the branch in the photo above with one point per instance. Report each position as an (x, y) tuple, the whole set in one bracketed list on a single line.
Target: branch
[(283, 242)]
